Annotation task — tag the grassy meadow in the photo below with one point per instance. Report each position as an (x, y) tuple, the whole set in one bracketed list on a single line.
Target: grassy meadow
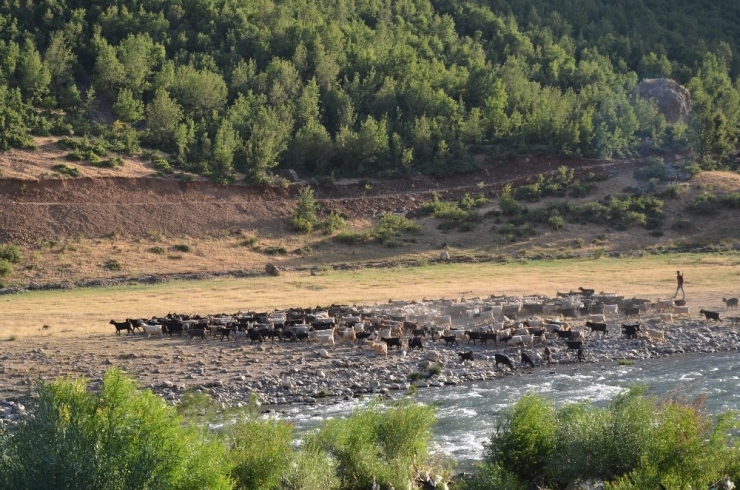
[(709, 278)]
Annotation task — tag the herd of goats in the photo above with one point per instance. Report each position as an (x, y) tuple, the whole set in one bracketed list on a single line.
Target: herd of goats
[(502, 320)]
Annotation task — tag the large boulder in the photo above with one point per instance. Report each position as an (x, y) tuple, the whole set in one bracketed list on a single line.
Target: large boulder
[(272, 269), (673, 100)]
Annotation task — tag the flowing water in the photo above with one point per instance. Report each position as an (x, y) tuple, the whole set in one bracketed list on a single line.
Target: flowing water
[(466, 413)]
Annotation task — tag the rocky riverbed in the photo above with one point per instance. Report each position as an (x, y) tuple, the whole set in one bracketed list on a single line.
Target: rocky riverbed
[(283, 373)]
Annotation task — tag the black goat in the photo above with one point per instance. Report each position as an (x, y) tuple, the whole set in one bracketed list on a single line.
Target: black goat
[(630, 330), (416, 343), (472, 336), (122, 326), (710, 315), (197, 332), (526, 359), (450, 340), (392, 342), (502, 359), (465, 356), (598, 327), (486, 336)]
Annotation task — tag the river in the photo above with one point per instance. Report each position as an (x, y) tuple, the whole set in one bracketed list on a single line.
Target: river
[(467, 413)]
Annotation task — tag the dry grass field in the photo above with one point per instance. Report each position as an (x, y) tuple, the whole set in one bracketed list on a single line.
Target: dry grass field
[(80, 312)]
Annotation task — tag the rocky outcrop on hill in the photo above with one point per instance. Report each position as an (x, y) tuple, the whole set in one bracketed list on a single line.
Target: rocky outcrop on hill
[(672, 99)]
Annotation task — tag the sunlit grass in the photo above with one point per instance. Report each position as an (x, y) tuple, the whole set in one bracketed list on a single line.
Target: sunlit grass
[(87, 310)]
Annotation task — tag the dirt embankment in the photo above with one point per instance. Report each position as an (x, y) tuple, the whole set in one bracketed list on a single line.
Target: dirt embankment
[(95, 207)]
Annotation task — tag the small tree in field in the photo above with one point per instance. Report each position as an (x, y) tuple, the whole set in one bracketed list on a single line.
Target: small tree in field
[(304, 217)]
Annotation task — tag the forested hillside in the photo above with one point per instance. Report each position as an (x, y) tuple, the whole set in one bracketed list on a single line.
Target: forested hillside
[(364, 87)]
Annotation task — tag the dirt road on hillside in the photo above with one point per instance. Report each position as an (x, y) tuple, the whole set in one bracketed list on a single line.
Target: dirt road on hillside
[(34, 210)]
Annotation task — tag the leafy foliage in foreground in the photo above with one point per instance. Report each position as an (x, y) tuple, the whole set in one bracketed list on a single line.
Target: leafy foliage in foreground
[(118, 438), (635, 442), (121, 437)]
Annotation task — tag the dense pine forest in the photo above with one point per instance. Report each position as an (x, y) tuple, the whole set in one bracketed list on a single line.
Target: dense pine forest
[(227, 88)]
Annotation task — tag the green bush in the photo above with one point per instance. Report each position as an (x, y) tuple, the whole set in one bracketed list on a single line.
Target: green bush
[(704, 203), (672, 191), (492, 477), (119, 437), (377, 443), (391, 225), (635, 442), (250, 241), (509, 206), (334, 223), (10, 253), (182, 247), (681, 223), (352, 237), (113, 265), (260, 451), (304, 217), (435, 370), (65, 169), (114, 162), (731, 200), (312, 469), (301, 225), (275, 250), (524, 438), (654, 169), (6, 268), (162, 165), (468, 202), (157, 250)]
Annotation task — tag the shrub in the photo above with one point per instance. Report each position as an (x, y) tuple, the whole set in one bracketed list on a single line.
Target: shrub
[(581, 189), (391, 225), (113, 265), (275, 250), (635, 442), (704, 203), (507, 203), (415, 376), (385, 444), (681, 223), (157, 250), (334, 223), (162, 165), (6, 268), (260, 450), (301, 225), (10, 253), (119, 437), (250, 241), (65, 169), (114, 162), (654, 169), (435, 370), (673, 191), (468, 202), (731, 200), (312, 469), (304, 216), (352, 237), (182, 247), (492, 477), (524, 438)]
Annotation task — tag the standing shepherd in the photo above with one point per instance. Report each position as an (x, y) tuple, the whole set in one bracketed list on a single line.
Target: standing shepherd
[(679, 280)]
